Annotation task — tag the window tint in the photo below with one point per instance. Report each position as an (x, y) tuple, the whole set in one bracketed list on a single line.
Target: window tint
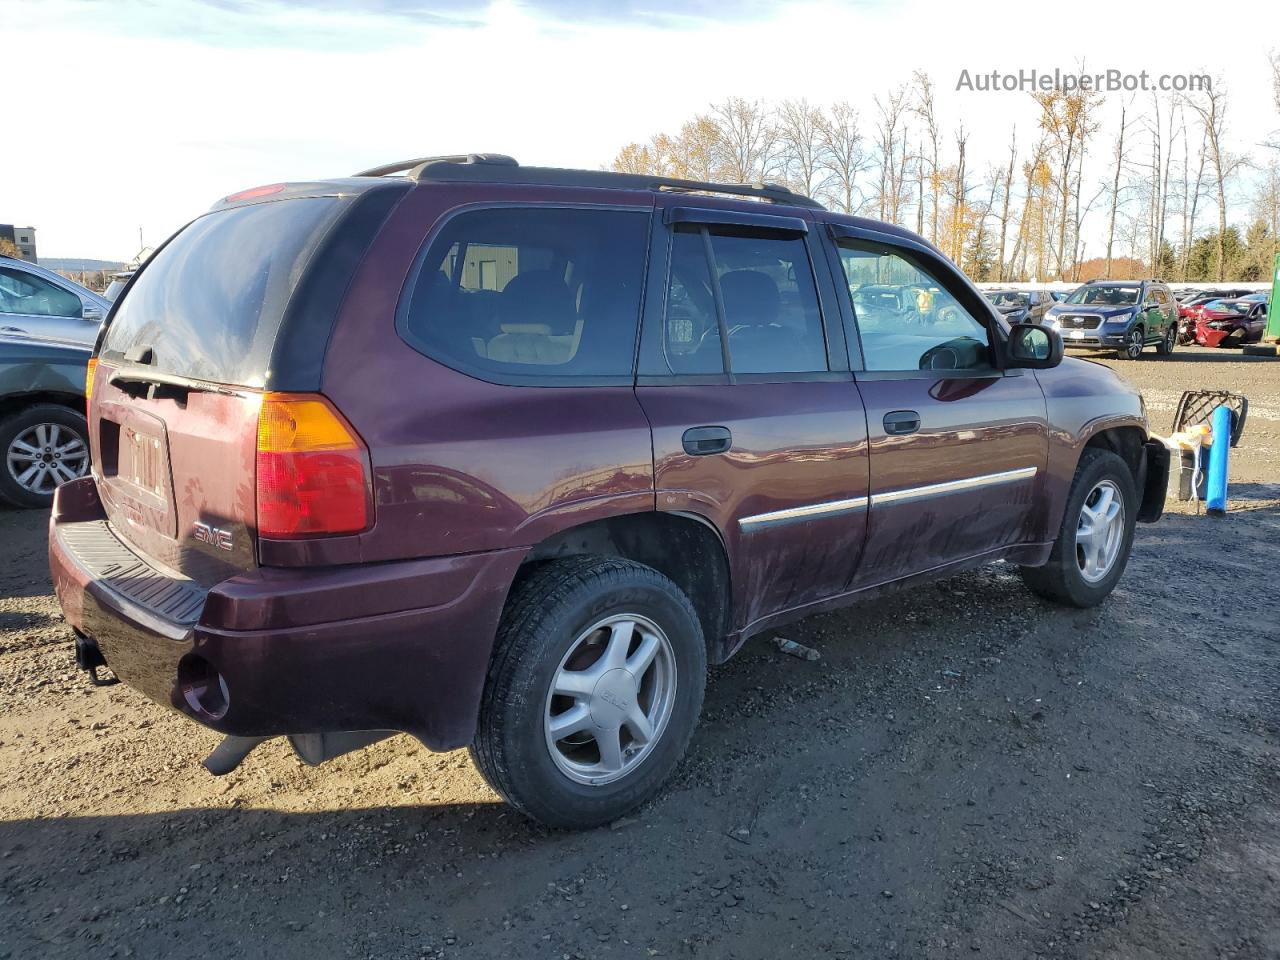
[(210, 302), (906, 319), (766, 289), (532, 292), (25, 293)]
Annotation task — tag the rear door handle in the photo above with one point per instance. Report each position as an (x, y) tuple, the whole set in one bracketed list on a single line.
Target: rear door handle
[(703, 441), (901, 422)]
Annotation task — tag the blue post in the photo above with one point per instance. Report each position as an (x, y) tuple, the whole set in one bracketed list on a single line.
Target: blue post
[(1216, 495)]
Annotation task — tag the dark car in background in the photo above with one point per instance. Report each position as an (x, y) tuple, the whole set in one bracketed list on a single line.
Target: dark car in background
[(1021, 306), (1231, 323), (44, 440), (504, 456), (1121, 315)]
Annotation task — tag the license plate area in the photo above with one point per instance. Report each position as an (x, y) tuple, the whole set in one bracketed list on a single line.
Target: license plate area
[(1076, 335), (134, 465)]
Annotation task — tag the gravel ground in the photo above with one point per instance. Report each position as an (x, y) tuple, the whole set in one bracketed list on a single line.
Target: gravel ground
[(966, 771)]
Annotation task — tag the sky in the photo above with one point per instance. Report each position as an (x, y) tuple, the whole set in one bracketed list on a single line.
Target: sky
[(141, 113)]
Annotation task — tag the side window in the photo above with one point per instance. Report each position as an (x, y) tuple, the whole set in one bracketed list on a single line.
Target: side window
[(531, 291), (24, 293), (743, 295), (906, 319)]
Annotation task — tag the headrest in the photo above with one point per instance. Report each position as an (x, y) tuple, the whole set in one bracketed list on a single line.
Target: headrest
[(540, 298), (750, 297)]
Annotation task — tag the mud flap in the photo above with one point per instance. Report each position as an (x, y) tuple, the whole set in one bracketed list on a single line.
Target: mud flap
[(1155, 481)]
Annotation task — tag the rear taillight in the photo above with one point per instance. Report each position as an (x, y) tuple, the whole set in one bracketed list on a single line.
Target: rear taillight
[(313, 473)]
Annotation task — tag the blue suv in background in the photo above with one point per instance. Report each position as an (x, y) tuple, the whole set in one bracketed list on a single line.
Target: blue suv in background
[(1121, 315)]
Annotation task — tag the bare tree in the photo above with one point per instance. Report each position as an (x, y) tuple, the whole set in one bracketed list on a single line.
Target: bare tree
[(800, 144), (890, 142), (748, 141), (1007, 191), (1211, 107), (1191, 198), (1115, 185), (843, 155), (923, 107)]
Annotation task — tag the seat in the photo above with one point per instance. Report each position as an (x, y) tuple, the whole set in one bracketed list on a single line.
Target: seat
[(538, 321), (758, 343)]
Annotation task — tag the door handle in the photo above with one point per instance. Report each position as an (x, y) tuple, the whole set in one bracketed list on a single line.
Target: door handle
[(702, 441), (901, 422)]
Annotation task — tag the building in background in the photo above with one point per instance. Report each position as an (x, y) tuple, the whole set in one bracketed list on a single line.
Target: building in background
[(24, 238)]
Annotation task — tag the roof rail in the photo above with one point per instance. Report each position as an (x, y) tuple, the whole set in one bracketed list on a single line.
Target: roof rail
[(403, 166), (496, 167)]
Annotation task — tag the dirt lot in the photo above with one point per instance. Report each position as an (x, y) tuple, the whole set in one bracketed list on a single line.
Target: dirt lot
[(967, 771)]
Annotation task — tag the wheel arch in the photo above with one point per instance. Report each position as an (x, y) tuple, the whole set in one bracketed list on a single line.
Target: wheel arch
[(686, 548), (17, 402)]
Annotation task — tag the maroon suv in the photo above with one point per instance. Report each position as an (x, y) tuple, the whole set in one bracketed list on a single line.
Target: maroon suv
[(504, 456)]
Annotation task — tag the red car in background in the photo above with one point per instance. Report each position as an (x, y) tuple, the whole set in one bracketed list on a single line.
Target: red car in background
[(1191, 308), (1230, 323)]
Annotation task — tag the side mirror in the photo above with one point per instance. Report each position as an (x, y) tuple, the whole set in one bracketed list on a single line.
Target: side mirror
[(92, 314), (1034, 346)]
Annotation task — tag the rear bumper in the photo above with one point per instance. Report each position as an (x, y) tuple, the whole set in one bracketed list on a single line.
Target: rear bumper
[(393, 646)]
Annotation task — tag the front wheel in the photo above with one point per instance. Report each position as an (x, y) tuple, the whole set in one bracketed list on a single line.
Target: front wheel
[(593, 692), (1133, 343), (1096, 536)]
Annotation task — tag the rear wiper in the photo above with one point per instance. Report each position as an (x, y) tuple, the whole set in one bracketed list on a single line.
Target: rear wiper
[(145, 383)]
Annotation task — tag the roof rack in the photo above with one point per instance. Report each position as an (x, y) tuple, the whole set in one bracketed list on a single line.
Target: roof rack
[(497, 167)]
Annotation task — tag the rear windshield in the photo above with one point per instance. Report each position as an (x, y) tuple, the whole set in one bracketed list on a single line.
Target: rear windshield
[(209, 304)]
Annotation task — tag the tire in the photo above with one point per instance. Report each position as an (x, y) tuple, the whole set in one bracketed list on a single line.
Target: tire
[(1165, 347), (1135, 339), (1064, 579), (546, 637), (22, 451)]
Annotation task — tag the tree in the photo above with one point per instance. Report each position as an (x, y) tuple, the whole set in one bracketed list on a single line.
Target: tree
[(1211, 107), (1007, 195), (1115, 188), (748, 146), (924, 109), (843, 156), (891, 141), (799, 126), (9, 249), (1068, 120)]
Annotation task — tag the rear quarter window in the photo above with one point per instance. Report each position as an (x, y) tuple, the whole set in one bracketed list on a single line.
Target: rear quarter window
[(531, 294), (210, 302)]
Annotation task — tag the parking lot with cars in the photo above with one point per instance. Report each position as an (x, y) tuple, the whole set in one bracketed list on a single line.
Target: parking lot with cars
[(967, 770)]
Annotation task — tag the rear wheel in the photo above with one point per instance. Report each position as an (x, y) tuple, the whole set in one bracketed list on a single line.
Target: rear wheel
[(1096, 536), (1165, 347), (43, 447), (593, 693), (1133, 343)]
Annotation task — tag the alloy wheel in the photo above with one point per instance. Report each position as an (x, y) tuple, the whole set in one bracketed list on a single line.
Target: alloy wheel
[(1133, 346), (610, 699), (46, 455), (1100, 531)]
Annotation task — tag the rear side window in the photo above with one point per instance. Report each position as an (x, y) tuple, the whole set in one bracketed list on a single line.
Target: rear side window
[(516, 293), (210, 302), (764, 285)]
